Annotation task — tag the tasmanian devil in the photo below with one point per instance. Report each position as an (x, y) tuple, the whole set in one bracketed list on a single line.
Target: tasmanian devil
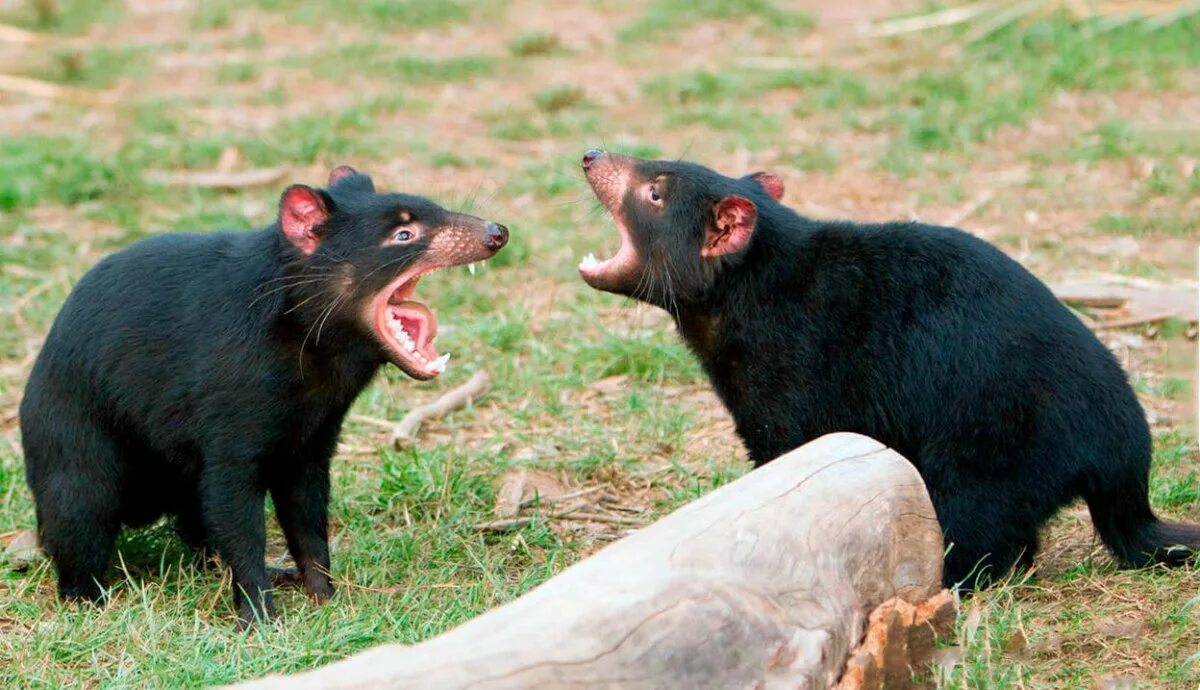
[(923, 337), (189, 374)]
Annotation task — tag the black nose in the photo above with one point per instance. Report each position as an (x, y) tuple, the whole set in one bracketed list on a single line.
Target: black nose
[(497, 235), (590, 156)]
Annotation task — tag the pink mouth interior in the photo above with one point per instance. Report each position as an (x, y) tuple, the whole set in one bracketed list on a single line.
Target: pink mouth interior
[(408, 327), (618, 264)]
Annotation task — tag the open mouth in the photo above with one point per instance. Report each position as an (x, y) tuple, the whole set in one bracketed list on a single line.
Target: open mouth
[(608, 273), (408, 327)]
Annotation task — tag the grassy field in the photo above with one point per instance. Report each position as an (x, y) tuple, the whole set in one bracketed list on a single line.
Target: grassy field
[(1072, 145)]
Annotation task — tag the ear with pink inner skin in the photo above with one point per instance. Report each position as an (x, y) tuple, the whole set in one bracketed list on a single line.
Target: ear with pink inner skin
[(772, 183), (733, 225), (301, 214), (340, 172)]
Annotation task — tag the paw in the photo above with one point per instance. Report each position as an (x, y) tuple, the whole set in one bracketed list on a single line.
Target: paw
[(249, 617), (285, 577), (319, 587)]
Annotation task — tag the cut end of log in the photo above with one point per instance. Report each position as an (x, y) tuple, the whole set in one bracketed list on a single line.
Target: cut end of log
[(899, 644)]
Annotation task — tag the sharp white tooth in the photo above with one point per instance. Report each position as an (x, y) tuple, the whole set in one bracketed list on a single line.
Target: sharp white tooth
[(471, 268), (439, 364)]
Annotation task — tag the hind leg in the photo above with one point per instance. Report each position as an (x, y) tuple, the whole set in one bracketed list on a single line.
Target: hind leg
[(79, 542), (989, 530), (78, 500), (189, 524)]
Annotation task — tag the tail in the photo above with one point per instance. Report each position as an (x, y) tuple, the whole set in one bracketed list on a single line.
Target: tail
[(1135, 535)]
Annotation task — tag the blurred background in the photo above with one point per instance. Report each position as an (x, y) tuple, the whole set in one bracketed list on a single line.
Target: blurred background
[(1067, 133)]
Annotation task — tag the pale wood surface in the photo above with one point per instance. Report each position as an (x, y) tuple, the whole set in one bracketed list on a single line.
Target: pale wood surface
[(766, 582)]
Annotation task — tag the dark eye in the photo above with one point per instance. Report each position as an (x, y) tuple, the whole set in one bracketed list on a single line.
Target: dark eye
[(403, 236), (654, 196)]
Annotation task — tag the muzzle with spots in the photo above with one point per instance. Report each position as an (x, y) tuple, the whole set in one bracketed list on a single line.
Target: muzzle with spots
[(408, 327)]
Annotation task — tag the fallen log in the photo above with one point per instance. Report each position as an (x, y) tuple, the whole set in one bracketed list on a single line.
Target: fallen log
[(766, 582)]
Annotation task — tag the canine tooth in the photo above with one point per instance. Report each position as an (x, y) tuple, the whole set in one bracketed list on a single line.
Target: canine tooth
[(589, 261), (471, 268), (439, 364)]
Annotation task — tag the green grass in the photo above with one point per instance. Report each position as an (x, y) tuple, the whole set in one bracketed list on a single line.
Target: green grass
[(387, 15), (560, 97), (379, 62), (58, 169), (61, 16), (663, 18), (1154, 225), (1009, 77), (534, 44), (495, 126), (99, 67)]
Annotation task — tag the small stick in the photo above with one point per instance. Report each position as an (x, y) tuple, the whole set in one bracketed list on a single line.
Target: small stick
[(45, 89), (505, 524), (376, 421), (12, 34), (948, 17), (583, 516), (551, 500), (1136, 320), (217, 179), (502, 525), (970, 209), (405, 431)]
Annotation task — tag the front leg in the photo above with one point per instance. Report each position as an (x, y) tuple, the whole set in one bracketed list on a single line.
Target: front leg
[(301, 494), (231, 503)]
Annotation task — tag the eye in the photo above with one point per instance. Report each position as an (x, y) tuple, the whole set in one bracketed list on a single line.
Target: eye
[(403, 236), (654, 195)]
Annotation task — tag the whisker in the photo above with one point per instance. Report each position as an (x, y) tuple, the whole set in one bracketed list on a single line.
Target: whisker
[(303, 302), (332, 304), (328, 313), (281, 288), (385, 264), (305, 274)]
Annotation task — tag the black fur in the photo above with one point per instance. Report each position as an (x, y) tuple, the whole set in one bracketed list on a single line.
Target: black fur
[(191, 373), (923, 337)]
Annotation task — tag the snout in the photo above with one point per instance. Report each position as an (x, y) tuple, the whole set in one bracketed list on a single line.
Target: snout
[(609, 174), (591, 156), (465, 239), (495, 235)]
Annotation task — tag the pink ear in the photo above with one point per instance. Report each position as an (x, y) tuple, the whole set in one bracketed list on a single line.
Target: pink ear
[(301, 213), (733, 224), (772, 183), (340, 172)]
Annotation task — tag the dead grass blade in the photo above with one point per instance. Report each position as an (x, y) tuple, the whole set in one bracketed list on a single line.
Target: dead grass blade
[(991, 17)]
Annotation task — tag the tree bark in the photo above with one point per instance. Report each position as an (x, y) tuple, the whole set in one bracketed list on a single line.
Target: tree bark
[(764, 583)]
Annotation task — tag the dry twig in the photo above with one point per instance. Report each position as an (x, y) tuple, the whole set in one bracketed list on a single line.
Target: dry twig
[(217, 179), (12, 34), (406, 430), (45, 89)]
